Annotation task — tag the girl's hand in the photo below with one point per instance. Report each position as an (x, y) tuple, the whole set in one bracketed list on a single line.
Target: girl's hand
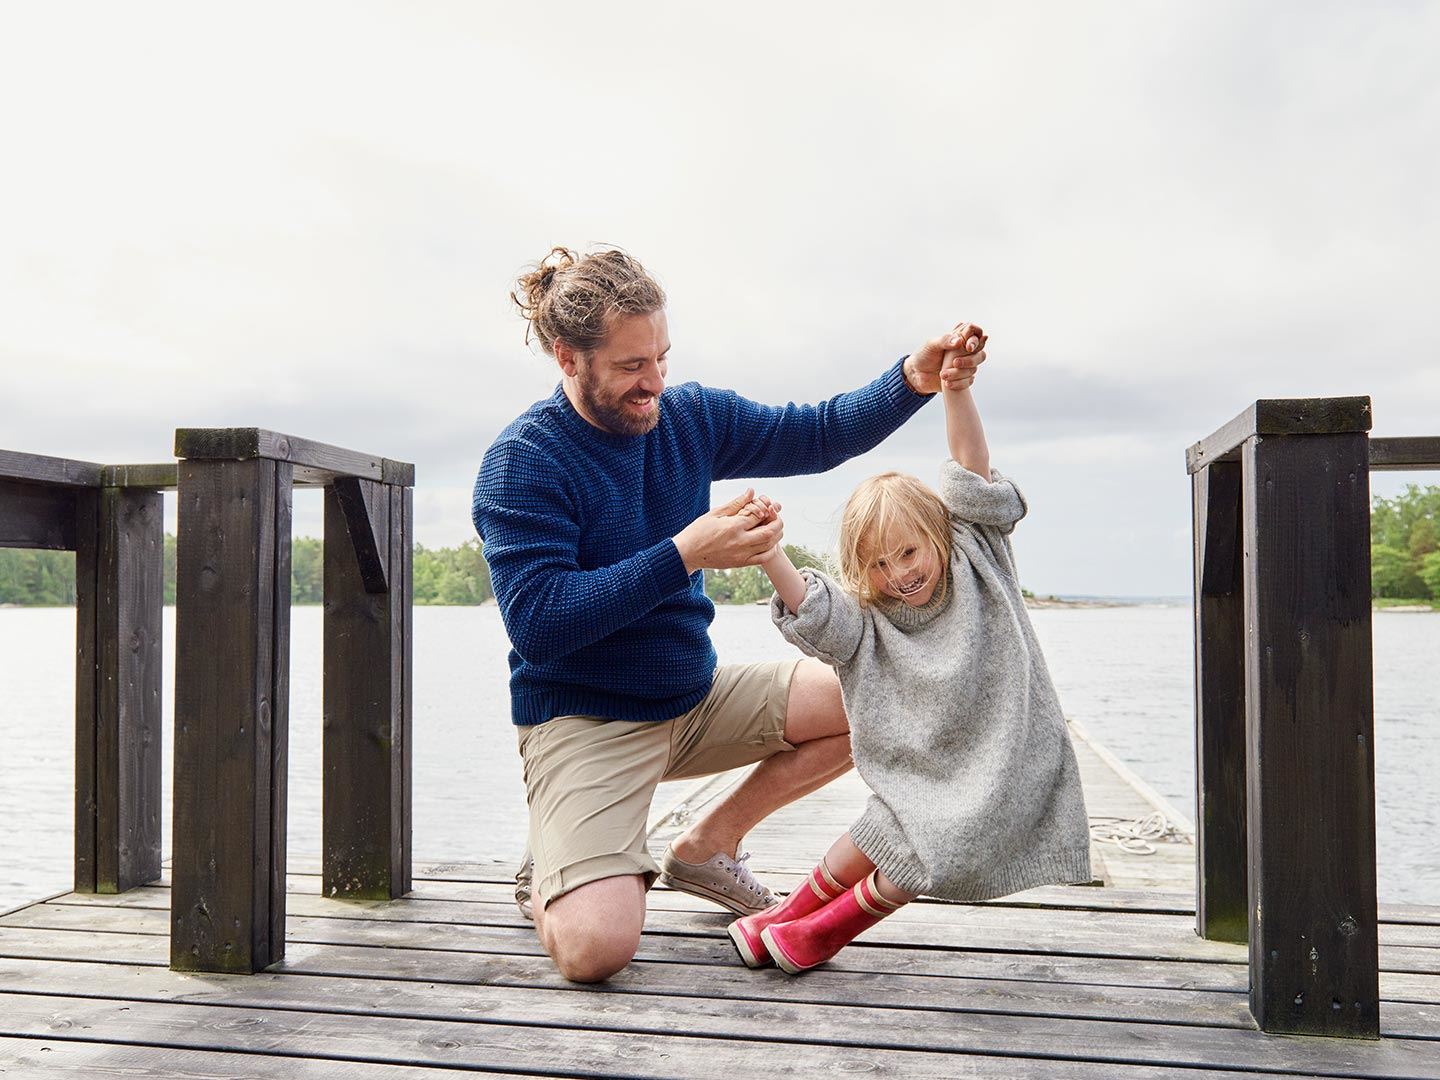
[(923, 366), (762, 509), (958, 366)]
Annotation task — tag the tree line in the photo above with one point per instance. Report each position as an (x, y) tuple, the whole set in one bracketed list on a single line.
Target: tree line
[(457, 575), (1405, 545)]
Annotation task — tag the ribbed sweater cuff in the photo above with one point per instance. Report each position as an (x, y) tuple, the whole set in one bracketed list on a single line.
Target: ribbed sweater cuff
[(667, 568), (898, 391)]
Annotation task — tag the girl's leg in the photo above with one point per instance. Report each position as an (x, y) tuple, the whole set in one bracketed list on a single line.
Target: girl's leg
[(842, 866), (847, 862), (800, 944)]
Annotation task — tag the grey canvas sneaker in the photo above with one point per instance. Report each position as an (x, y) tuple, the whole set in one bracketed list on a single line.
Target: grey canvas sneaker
[(522, 887), (720, 879)]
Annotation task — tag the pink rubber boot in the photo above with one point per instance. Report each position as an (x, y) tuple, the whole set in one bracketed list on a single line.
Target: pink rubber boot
[(817, 890), (803, 943)]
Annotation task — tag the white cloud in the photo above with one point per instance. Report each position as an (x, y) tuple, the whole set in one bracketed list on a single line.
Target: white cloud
[(307, 218)]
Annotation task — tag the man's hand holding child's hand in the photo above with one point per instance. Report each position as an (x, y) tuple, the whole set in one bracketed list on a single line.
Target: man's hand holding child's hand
[(958, 364), (964, 346)]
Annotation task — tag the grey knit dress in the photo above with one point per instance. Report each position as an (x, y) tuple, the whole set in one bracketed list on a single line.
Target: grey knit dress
[(954, 722)]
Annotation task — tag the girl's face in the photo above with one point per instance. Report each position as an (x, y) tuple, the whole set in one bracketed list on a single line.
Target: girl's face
[(910, 572)]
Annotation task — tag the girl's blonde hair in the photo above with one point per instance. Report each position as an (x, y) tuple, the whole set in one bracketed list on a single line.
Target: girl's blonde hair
[(882, 516)]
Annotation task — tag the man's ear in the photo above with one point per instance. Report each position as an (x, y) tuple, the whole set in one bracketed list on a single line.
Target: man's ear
[(566, 357)]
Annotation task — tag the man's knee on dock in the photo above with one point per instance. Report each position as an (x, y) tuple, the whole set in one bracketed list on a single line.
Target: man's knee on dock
[(593, 932)]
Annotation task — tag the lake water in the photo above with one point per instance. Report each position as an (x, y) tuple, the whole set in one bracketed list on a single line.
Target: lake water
[(1124, 672)]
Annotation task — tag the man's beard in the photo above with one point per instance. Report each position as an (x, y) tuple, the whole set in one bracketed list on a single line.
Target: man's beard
[(612, 415)]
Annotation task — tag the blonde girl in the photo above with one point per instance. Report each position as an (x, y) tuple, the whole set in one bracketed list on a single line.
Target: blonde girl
[(954, 723)]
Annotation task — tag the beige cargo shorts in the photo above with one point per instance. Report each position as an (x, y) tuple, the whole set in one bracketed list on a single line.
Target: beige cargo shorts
[(590, 780)]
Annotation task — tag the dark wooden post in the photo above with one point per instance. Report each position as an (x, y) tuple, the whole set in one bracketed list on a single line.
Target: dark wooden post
[(368, 596), (1309, 713), (232, 684), (111, 517), (119, 594), (1314, 961), (1221, 898), (232, 659)]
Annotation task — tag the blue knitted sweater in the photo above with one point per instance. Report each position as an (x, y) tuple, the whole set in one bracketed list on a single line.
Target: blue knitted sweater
[(577, 525)]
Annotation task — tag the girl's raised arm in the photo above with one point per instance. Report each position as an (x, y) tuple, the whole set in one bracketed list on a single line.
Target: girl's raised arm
[(963, 430)]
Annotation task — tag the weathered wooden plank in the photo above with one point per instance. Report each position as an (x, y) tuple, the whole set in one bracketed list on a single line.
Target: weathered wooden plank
[(402, 684), (895, 941), (279, 735), (425, 964), (451, 879), (231, 701), (164, 476), (313, 461), (365, 512), (40, 469), (1280, 416), (57, 1056), (1406, 452), (898, 1024), (128, 627), (1221, 889), (365, 829), (36, 516), (87, 687), (1310, 729), (486, 904), (677, 1045)]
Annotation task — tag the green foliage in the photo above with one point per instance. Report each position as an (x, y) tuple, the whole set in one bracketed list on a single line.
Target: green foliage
[(37, 578), (1430, 573), (442, 576), (1404, 534), (456, 575), (307, 570), (748, 584), (1391, 573)]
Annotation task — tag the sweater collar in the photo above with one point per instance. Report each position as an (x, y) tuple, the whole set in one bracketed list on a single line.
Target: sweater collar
[(907, 618), (582, 428)]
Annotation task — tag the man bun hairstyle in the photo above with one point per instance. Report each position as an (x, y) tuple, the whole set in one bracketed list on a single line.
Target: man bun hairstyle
[(577, 298)]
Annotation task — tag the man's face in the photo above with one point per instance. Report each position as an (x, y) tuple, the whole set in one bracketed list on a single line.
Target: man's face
[(618, 386)]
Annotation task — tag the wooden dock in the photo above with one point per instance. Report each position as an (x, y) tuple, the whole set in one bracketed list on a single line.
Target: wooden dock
[(1099, 982)]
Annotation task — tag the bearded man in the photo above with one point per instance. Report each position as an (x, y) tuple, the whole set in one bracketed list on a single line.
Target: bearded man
[(593, 507)]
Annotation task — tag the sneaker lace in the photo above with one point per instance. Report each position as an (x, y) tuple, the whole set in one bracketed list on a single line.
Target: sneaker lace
[(746, 878)]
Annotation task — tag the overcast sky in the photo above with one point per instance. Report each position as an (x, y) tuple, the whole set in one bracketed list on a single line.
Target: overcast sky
[(307, 217)]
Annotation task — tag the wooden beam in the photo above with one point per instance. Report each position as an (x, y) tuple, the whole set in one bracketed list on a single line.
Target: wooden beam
[(1406, 452), (313, 461), (231, 715), (361, 502), (1221, 897), (37, 516), (39, 469), (1280, 416), (160, 477), (367, 816), (87, 688), (1309, 736)]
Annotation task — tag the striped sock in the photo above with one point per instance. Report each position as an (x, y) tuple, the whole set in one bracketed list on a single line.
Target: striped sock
[(823, 883), (867, 894)]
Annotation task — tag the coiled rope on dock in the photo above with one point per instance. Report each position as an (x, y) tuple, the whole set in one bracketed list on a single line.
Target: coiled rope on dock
[(1137, 836)]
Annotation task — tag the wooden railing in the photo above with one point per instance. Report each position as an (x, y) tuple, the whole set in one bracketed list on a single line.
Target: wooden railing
[(1285, 778), (111, 517), (232, 674)]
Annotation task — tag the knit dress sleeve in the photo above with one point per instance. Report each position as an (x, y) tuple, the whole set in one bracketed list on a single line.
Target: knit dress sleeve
[(829, 624), (995, 504)]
